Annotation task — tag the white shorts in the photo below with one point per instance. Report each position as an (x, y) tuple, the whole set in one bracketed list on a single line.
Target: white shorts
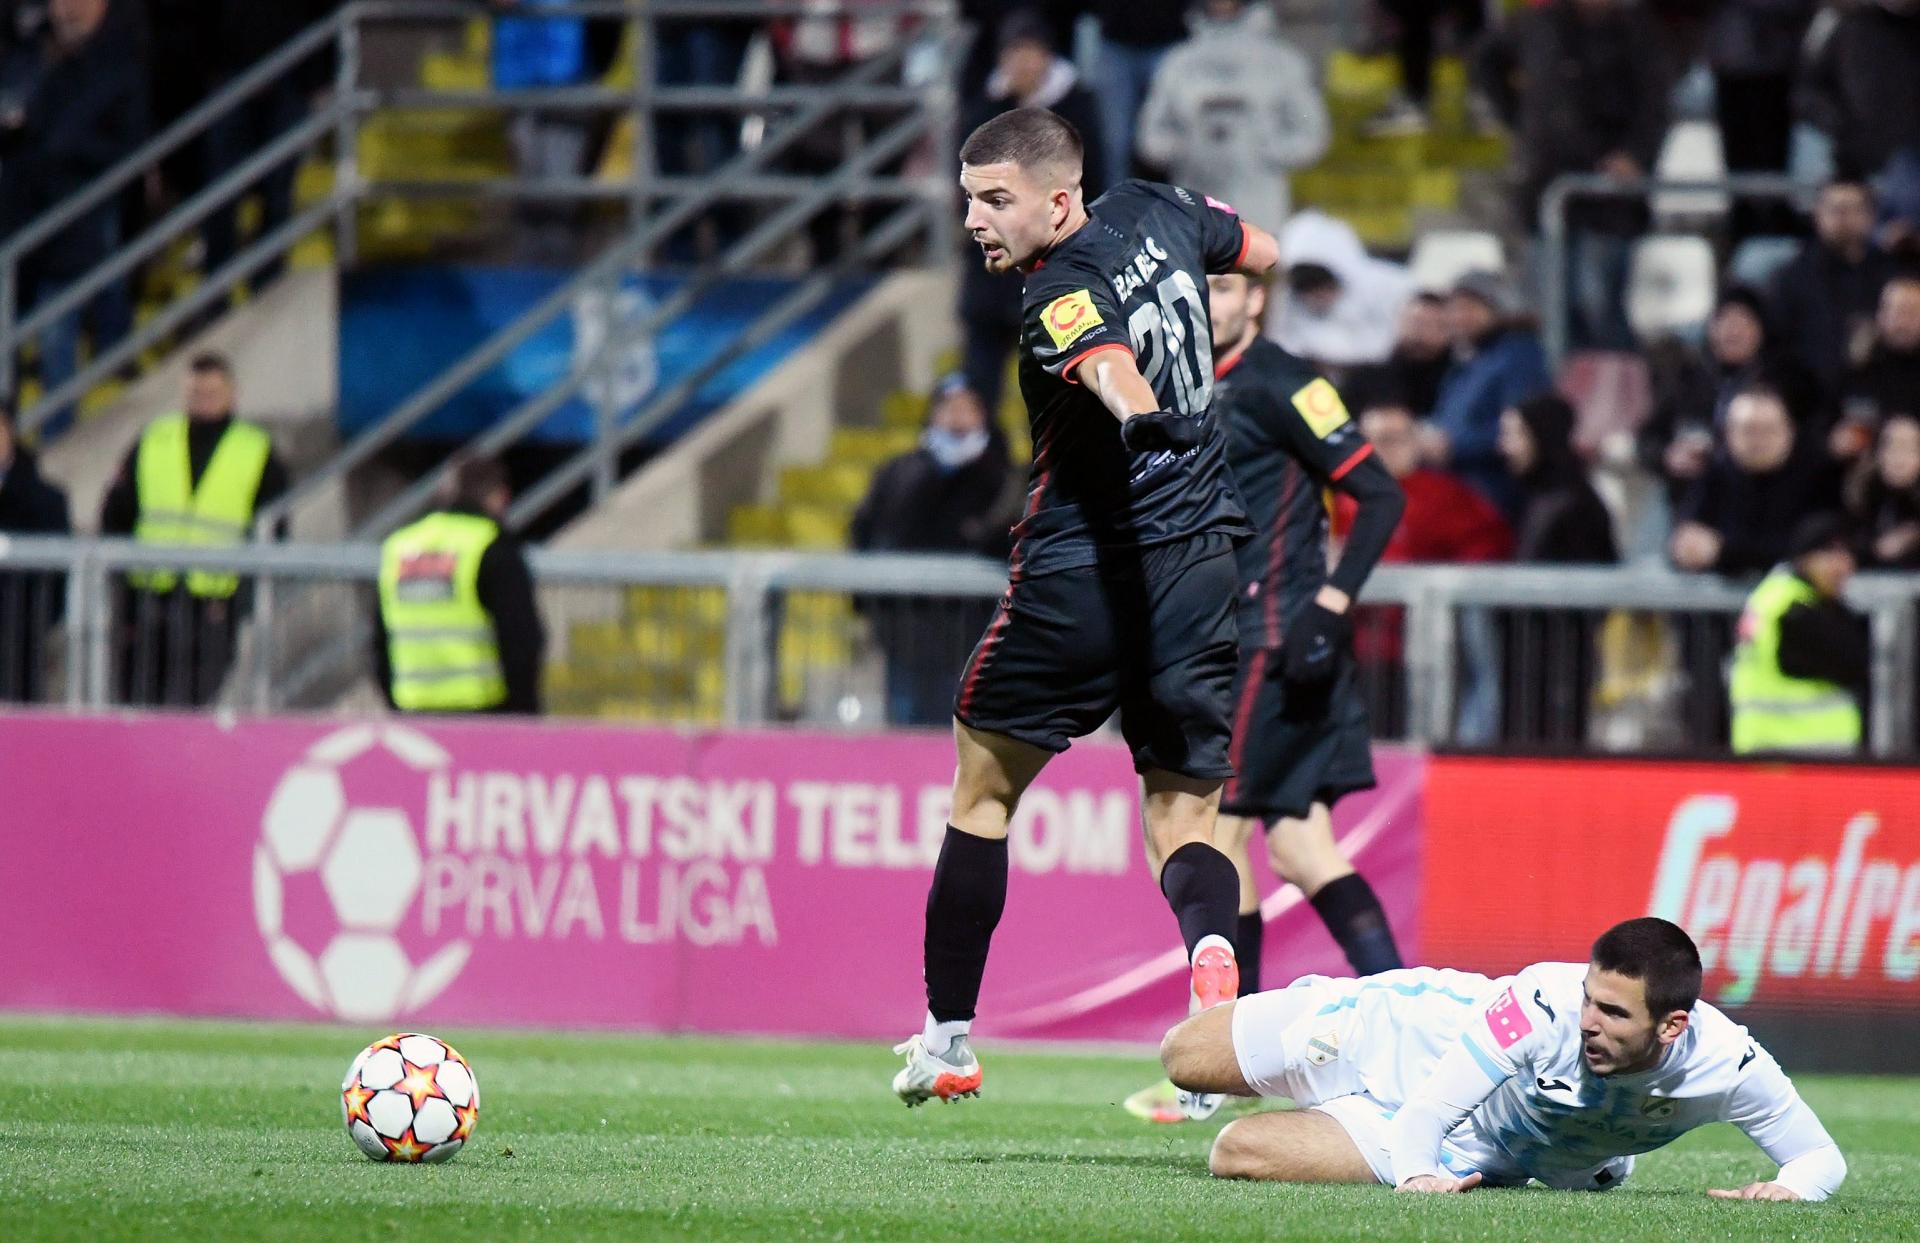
[(1299, 1043)]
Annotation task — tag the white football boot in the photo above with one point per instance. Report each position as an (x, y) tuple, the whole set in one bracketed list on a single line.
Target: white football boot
[(949, 1076)]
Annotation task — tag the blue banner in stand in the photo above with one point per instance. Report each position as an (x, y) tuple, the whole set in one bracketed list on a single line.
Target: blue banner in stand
[(402, 327)]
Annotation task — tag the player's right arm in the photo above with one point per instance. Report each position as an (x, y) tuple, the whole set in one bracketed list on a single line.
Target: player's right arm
[(1496, 1045), (1768, 1108)]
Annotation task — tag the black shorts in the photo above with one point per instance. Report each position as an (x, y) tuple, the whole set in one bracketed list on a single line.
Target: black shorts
[(1295, 746), (1153, 639)]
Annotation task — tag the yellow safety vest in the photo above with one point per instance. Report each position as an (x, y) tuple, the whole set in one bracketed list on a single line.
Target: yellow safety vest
[(218, 513), (1774, 712), (440, 640)]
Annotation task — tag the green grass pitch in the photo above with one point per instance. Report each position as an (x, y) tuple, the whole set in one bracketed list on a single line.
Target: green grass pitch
[(149, 1130)]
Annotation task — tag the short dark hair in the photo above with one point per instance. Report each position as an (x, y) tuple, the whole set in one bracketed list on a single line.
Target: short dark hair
[(476, 479), (1029, 137), (210, 361), (1660, 955)]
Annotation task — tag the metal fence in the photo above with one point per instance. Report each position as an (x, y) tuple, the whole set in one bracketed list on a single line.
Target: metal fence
[(1516, 658)]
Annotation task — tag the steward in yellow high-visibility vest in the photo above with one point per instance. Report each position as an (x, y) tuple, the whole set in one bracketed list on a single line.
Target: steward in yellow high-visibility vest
[(195, 478), (1802, 655), (459, 629)]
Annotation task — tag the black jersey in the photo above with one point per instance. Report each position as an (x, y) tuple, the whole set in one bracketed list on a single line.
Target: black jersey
[(1133, 278), (1288, 437)]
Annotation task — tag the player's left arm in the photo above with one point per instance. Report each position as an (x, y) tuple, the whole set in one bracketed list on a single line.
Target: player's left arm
[(1768, 1108), (1319, 431)]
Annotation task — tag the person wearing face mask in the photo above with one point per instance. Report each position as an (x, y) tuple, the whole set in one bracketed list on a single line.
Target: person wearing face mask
[(941, 497), (1342, 307)]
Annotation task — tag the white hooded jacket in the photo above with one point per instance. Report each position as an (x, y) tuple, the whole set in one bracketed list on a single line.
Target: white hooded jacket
[(1231, 111), (1365, 319)]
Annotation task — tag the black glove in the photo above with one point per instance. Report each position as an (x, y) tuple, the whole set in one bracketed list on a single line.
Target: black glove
[(1314, 645), (1163, 429)]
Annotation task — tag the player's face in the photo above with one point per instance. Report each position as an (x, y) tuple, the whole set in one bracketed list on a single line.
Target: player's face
[(1234, 304), (1618, 1036), (1011, 214)]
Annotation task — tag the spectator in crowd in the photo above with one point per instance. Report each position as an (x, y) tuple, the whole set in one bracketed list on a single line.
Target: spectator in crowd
[(1753, 49), (1738, 514), (1887, 381), (1584, 85), (30, 602), (1886, 506), (246, 32), (1563, 520), (72, 105), (1801, 664), (941, 497), (196, 477), (1445, 521), (1860, 87), (1135, 38), (1422, 352), (820, 48), (1233, 110), (532, 49), (1550, 660), (1029, 75), (1693, 388), (1498, 363), (1343, 305), (1414, 20), (458, 629), (1825, 297), (699, 52)]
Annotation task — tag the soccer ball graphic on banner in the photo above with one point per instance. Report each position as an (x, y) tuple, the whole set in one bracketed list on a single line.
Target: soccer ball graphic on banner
[(328, 821), (410, 1098)]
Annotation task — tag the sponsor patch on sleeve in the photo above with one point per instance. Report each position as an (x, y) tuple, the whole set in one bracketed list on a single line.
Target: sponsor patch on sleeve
[(1070, 317), (1507, 1022), (1320, 405), (1217, 205)]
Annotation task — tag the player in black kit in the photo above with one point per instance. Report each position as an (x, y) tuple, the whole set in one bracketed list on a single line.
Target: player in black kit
[(1300, 736), (1122, 577)]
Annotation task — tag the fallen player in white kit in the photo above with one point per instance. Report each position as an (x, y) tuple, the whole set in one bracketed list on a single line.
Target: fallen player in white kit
[(1435, 1080)]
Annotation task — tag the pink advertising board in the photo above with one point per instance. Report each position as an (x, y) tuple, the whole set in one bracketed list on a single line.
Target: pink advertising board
[(583, 875)]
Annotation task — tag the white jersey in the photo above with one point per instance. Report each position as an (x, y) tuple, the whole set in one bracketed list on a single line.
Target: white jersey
[(1474, 1074)]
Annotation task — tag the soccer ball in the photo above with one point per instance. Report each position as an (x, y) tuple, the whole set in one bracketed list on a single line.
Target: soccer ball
[(410, 1098)]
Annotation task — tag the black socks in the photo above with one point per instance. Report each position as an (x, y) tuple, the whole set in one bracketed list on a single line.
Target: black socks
[(963, 907), (1246, 950), (1203, 889), (1356, 919)]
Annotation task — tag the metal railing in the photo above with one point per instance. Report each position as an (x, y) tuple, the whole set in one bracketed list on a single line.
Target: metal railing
[(866, 640), (1555, 234), (657, 205)]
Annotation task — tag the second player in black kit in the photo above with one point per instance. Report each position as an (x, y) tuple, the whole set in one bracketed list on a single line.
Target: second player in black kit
[(1122, 579), (1300, 731)]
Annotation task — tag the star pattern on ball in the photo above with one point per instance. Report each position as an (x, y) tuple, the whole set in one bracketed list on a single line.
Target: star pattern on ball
[(465, 1116), (418, 1084), (406, 1148), (356, 1098)]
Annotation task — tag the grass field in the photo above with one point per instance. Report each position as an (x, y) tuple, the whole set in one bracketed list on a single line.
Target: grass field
[(229, 1131)]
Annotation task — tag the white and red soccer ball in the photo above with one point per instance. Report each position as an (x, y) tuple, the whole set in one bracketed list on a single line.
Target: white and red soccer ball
[(410, 1098)]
